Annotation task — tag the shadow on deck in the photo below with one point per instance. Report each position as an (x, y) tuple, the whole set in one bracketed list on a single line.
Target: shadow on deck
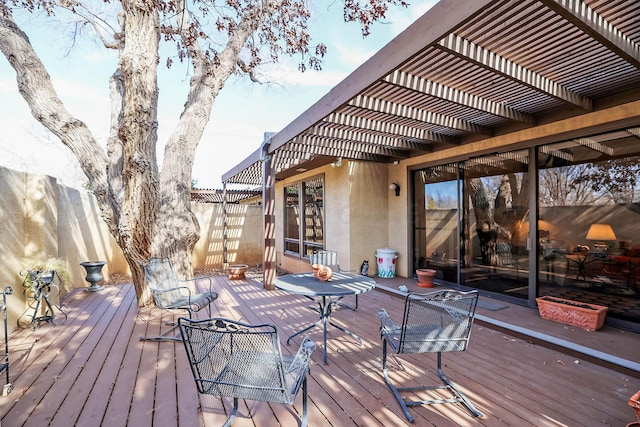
[(93, 370)]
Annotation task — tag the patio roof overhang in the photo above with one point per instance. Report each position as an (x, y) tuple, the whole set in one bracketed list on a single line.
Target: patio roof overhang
[(466, 72)]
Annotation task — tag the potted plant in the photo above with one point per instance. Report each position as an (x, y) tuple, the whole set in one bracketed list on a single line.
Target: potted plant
[(31, 267), (425, 277), (586, 316)]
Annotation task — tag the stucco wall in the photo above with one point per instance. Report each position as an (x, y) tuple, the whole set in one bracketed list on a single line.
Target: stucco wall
[(42, 220), (356, 215), (244, 234), (83, 236)]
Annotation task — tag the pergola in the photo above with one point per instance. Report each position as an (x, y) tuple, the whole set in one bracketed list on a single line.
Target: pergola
[(468, 72)]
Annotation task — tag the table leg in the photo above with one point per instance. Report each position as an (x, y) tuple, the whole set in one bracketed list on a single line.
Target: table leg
[(325, 318), (303, 330)]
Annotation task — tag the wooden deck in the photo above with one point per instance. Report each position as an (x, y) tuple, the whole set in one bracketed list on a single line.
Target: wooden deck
[(94, 371)]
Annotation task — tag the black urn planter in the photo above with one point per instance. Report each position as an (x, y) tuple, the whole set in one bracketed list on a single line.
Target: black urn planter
[(94, 274)]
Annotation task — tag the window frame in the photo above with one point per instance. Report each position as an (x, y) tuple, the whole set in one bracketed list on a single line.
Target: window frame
[(297, 244)]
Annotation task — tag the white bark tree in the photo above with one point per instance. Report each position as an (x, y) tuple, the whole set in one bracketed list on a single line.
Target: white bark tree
[(149, 213)]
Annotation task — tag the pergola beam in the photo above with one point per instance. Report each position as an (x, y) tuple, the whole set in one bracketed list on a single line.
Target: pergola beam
[(348, 149), (388, 128), (443, 17), (589, 21), (495, 63), (360, 137), (437, 90), (595, 145), (403, 111)]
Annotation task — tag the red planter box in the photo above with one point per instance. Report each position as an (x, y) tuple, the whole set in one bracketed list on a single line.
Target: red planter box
[(634, 402), (575, 313)]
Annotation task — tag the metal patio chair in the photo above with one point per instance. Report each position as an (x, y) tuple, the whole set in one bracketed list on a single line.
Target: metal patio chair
[(330, 259), (170, 293), (434, 322), (243, 361)]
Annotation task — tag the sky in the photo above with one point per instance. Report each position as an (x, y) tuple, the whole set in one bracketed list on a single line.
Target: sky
[(242, 113)]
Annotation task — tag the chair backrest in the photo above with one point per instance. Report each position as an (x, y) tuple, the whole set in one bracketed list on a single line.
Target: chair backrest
[(324, 257), (437, 321), (238, 360), (162, 281)]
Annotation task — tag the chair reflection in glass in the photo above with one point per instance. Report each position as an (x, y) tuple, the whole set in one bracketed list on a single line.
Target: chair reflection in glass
[(243, 361), (170, 293), (330, 259), (434, 322)]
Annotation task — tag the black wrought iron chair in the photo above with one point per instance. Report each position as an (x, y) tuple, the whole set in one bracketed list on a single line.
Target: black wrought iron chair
[(435, 322), (242, 361), (330, 259), (170, 293)]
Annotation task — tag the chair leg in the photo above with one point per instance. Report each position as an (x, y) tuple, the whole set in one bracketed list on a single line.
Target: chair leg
[(354, 308), (455, 391), (393, 388), (165, 335), (303, 423), (458, 396), (234, 411)]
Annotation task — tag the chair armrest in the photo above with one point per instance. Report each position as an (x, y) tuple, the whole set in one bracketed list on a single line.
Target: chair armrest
[(299, 366), (387, 324), (164, 291), (303, 356), (195, 281)]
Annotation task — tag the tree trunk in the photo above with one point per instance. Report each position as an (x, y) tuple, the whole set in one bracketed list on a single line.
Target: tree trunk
[(137, 131), (147, 212)]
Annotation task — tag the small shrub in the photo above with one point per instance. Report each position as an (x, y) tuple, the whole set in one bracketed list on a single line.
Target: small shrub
[(37, 264)]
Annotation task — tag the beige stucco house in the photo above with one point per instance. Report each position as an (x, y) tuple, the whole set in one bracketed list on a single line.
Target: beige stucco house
[(485, 141)]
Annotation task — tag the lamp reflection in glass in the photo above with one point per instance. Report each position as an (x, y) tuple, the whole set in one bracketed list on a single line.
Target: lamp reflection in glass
[(601, 233)]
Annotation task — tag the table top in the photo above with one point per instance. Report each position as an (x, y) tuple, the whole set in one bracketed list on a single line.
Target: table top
[(340, 284)]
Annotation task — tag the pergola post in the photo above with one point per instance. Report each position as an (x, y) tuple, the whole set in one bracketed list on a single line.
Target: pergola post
[(269, 225), (225, 226)]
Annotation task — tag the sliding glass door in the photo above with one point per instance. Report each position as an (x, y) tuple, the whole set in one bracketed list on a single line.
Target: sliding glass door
[(436, 218), (472, 223)]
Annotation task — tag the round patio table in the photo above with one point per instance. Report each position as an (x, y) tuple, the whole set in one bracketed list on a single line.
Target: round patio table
[(326, 295)]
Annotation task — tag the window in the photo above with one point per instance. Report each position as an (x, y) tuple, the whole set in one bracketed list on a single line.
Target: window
[(472, 223), (304, 217)]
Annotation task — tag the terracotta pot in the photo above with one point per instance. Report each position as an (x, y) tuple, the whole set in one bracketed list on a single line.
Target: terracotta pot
[(236, 271), (586, 316), (425, 277), (634, 402)]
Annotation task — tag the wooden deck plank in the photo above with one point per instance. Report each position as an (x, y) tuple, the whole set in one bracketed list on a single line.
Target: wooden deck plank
[(49, 373), (144, 390), (510, 380), (94, 409), (30, 355), (117, 413), (94, 362), (188, 400)]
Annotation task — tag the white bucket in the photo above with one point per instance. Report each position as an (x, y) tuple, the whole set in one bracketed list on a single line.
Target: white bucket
[(386, 259)]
